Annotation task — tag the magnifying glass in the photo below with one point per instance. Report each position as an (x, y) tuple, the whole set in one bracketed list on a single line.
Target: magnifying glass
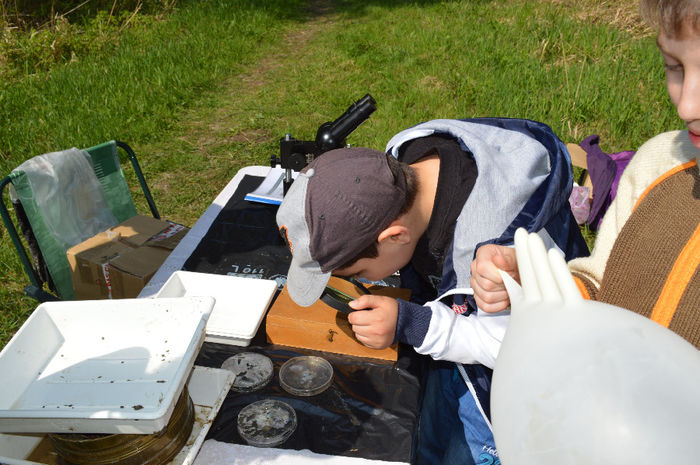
[(339, 299)]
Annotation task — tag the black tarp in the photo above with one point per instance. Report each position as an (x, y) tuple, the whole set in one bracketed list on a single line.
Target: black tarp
[(243, 240), (368, 411)]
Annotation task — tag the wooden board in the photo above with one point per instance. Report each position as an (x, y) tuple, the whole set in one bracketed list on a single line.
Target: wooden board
[(320, 327), (579, 158)]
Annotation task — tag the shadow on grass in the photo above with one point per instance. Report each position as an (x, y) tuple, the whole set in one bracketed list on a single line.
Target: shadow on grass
[(356, 8), (40, 13)]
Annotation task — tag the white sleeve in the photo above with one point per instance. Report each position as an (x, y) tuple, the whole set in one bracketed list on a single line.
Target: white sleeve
[(475, 338)]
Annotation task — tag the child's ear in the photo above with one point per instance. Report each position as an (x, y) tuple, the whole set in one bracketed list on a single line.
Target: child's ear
[(395, 233)]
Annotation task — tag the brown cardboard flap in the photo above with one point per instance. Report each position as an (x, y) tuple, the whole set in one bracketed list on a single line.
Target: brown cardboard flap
[(578, 155), (138, 229), (98, 249), (320, 327), (579, 158), (170, 237), (132, 270), (143, 261)]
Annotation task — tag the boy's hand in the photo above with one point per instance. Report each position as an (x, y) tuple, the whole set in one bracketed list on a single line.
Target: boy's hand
[(489, 291), (375, 324)]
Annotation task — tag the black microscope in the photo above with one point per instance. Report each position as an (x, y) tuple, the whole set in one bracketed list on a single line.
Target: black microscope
[(296, 154)]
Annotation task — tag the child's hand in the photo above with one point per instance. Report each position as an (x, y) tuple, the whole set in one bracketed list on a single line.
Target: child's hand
[(489, 291), (375, 324)]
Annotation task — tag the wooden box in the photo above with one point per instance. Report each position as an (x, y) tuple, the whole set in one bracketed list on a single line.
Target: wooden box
[(320, 327)]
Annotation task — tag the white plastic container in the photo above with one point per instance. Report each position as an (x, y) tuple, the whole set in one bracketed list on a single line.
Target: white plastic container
[(240, 302), (100, 366)]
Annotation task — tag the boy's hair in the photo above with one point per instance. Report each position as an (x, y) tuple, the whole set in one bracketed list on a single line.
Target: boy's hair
[(672, 15), (398, 169)]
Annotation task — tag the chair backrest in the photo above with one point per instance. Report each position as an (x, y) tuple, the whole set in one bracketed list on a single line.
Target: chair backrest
[(100, 199), (105, 163)]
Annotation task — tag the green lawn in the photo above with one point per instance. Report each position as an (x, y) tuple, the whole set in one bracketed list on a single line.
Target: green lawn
[(206, 87)]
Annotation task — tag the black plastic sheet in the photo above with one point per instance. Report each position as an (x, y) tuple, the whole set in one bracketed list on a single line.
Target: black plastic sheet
[(243, 240), (369, 410)]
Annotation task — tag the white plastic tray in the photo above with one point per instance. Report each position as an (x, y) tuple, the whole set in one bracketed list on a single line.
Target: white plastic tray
[(240, 302), (102, 366), (207, 387)]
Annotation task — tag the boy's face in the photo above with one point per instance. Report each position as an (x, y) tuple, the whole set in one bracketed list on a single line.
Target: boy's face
[(391, 258), (682, 59)]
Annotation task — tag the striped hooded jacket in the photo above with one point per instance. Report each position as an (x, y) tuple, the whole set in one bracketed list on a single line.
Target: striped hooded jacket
[(524, 180), (647, 252)]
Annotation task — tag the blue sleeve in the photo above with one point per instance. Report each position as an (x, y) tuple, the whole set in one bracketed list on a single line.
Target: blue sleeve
[(412, 323)]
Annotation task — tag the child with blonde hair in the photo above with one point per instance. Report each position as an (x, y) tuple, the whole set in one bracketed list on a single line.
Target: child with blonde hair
[(647, 252)]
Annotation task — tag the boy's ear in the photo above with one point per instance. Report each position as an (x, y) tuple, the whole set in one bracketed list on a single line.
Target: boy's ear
[(396, 233)]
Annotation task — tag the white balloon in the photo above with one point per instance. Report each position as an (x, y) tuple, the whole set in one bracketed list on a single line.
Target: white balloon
[(583, 382)]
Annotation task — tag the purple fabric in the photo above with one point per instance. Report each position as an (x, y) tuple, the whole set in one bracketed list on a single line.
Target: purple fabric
[(605, 170), (622, 159)]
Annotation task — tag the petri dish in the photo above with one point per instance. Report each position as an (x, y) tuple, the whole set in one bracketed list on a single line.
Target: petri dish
[(266, 423), (306, 375), (252, 371)]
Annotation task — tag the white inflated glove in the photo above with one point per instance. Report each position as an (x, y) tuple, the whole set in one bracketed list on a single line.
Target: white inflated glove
[(583, 382)]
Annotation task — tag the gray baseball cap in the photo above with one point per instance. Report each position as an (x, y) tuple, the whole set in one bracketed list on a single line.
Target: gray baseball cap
[(336, 207)]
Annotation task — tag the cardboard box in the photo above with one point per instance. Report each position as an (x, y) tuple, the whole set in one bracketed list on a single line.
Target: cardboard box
[(131, 271), (117, 263), (89, 262), (321, 327)]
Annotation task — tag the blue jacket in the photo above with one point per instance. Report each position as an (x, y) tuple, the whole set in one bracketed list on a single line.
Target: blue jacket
[(524, 180)]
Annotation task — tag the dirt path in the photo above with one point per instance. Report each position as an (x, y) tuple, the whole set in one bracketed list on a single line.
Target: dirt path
[(229, 127), (221, 132)]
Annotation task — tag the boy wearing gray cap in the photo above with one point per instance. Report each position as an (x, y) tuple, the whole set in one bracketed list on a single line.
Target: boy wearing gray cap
[(444, 188)]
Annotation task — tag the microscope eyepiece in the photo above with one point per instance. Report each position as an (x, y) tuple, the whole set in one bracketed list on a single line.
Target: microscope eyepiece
[(331, 135)]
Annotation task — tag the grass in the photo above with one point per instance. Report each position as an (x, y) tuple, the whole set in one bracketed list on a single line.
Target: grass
[(209, 87), (138, 89), (135, 91)]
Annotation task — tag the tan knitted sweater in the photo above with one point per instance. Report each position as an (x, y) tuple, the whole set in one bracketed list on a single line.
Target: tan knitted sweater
[(647, 252)]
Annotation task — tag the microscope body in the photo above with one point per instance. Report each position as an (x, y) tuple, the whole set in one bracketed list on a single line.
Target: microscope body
[(296, 154)]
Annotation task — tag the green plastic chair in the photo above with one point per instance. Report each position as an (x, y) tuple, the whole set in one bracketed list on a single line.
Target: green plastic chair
[(48, 263)]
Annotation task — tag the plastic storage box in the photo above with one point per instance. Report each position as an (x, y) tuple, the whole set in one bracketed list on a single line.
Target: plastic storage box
[(101, 366), (240, 302)]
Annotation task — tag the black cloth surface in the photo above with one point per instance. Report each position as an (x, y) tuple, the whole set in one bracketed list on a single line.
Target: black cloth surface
[(371, 408), (243, 240)]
